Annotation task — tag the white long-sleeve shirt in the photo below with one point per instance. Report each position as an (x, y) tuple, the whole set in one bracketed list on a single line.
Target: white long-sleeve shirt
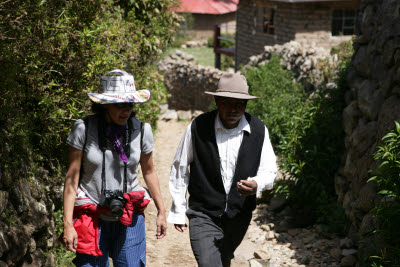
[(228, 142)]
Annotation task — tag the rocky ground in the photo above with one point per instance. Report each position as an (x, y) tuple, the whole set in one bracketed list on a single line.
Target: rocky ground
[(270, 240)]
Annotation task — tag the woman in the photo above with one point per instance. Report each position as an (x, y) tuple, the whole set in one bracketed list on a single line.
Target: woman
[(103, 202)]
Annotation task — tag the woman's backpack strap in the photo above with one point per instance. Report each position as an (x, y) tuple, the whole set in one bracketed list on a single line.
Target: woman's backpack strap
[(141, 135), (86, 122)]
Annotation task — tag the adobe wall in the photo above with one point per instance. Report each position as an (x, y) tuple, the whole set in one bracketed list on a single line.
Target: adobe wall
[(203, 26), (372, 106), (305, 23)]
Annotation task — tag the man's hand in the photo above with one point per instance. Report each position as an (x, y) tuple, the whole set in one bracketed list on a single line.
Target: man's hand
[(161, 225), (180, 227), (247, 187)]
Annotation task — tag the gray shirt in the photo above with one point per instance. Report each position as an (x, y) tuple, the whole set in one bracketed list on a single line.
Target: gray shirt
[(90, 181)]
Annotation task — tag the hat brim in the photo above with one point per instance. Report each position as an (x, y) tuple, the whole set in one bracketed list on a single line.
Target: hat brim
[(233, 95), (138, 97)]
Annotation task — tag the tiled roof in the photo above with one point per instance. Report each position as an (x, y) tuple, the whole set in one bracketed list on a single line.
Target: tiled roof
[(305, 1), (207, 6)]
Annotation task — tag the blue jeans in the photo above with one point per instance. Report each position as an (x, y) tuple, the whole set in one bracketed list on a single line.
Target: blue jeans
[(126, 245)]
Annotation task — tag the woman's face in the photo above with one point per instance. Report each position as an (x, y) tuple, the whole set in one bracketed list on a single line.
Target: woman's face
[(118, 113)]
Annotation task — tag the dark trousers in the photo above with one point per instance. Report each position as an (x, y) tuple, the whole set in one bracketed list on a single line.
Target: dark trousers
[(214, 240)]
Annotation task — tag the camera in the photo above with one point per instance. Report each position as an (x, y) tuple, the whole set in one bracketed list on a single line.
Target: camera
[(114, 200)]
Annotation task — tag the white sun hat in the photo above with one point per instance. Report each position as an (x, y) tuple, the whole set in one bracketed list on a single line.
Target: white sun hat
[(118, 86)]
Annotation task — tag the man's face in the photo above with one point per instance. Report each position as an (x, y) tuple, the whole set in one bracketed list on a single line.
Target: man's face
[(230, 110)]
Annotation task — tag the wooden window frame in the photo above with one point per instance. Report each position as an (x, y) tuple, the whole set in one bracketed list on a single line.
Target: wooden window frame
[(343, 19), (268, 11)]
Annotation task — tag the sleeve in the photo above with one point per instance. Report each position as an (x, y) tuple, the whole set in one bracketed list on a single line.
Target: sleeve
[(267, 171), (179, 178), (76, 137), (148, 142)]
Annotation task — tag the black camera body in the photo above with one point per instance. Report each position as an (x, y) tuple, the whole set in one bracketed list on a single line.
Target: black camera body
[(113, 199)]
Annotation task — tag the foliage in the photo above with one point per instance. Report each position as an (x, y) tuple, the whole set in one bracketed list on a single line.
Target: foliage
[(63, 257), (311, 152), (388, 213), (307, 135), (181, 36), (227, 62), (52, 53), (344, 51), (279, 98)]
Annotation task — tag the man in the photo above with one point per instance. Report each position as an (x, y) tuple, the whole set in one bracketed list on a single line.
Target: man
[(231, 160)]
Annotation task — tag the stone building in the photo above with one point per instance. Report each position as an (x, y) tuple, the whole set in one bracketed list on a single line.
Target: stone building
[(207, 13), (323, 23)]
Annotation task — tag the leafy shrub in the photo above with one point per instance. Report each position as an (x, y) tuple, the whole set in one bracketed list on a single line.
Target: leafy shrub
[(388, 213), (311, 152), (53, 53), (329, 70), (227, 62), (279, 99), (307, 135), (182, 33)]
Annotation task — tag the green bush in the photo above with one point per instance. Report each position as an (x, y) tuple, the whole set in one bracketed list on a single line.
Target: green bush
[(311, 152), (280, 98), (227, 62), (307, 135), (388, 213), (53, 53), (181, 36)]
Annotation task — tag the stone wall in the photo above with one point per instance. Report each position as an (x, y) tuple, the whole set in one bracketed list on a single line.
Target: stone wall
[(186, 81), (307, 23), (372, 106), (303, 60), (27, 223)]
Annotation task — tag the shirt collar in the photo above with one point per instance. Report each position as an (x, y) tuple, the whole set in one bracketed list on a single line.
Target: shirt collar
[(242, 126)]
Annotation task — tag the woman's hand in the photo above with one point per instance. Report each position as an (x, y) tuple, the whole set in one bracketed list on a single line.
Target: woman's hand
[(70, 238), (151, 179), (161, 225)]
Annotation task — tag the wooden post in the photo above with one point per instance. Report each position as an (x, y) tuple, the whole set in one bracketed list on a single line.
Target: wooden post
[(217, 55)]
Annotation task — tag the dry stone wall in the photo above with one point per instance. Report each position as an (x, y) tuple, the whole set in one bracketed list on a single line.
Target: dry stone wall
[(27, 225), (304, 60), (186, 81), (373, 104)]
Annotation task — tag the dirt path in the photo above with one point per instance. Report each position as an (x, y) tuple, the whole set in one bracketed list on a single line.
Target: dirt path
[(174, 249)]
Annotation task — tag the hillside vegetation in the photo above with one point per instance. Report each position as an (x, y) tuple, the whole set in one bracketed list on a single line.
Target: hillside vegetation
[(52, 53)]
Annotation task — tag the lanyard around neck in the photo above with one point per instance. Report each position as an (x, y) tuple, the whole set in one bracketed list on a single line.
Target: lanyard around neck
[(126, 147)]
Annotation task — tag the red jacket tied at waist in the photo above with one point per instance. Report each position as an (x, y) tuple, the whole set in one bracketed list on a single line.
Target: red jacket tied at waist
[(87, 221)]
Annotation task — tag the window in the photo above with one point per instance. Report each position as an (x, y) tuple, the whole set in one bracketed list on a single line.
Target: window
[(343, 22), (264, 20)]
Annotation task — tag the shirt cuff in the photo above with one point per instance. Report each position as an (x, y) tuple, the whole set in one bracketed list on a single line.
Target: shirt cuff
[(177, 217), (262, 184)]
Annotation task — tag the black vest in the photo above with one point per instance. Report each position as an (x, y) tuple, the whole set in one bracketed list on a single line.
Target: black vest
[(206, 189)]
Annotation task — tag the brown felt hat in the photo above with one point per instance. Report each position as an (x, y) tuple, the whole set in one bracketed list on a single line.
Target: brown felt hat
[(234, 86)]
